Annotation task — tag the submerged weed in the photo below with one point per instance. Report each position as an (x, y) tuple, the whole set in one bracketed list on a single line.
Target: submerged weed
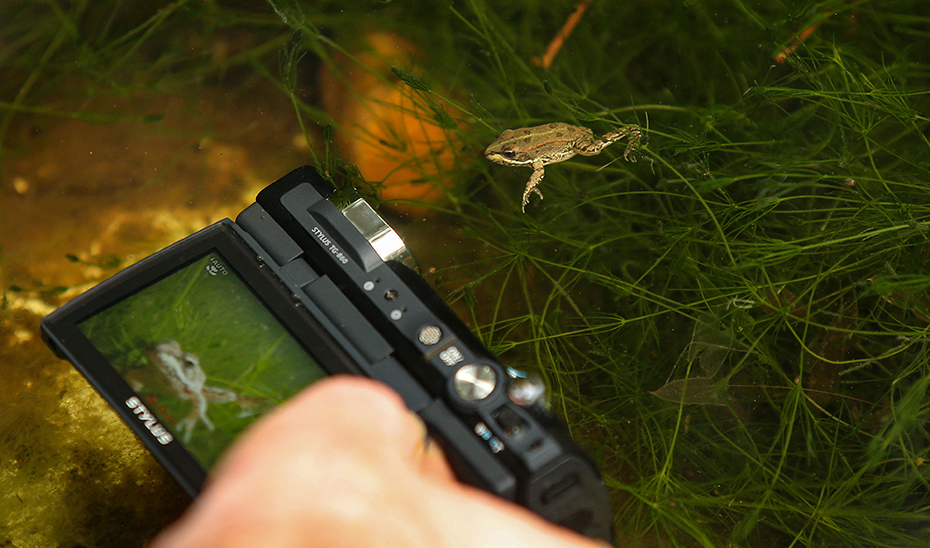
[(736, 326)]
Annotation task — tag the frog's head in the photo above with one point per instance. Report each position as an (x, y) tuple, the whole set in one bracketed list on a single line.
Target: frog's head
[(507, 151), (181, 368), (504, 156)]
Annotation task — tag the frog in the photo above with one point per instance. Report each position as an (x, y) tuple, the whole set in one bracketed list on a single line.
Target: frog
[(188, 381), (539, 146)]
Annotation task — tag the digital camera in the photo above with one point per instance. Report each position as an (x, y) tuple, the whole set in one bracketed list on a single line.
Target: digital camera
[(193, 343)]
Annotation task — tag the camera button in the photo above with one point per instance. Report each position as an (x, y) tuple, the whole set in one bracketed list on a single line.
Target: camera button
[(430, 335), (451, 356), (494, 443), (474, 382), (509, 420)]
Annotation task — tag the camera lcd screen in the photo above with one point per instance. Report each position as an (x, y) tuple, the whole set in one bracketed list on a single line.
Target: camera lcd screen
[(203, 353)]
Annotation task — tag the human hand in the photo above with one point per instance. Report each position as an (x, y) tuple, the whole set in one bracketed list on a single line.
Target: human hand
[(344, 464)]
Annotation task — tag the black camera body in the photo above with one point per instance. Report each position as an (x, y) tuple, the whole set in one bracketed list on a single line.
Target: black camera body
[(191, 344)]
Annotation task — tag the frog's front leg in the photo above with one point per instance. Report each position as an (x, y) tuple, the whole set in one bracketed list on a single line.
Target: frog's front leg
[(595, 146), (538, 172)]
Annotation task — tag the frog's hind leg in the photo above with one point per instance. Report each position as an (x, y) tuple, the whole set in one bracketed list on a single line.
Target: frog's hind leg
[(634, 135), (597, 145), (187, 425), (535, 178), (248, 406), (197, 414), (218, 395)]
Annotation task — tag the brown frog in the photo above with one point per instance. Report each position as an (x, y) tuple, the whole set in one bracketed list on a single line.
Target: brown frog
[(187, 380), (539, 146)]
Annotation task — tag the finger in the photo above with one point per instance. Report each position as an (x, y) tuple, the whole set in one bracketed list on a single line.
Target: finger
[(341, 411), (396, 426), (432, 462)]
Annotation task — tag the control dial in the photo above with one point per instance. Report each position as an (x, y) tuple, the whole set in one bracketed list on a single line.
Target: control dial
[(474, 382)]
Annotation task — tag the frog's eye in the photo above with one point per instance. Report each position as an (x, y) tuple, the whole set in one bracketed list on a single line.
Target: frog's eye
[(190, 362), (509, 153)]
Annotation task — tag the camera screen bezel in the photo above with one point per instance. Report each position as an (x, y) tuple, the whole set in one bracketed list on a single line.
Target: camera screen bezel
[(61, 329)]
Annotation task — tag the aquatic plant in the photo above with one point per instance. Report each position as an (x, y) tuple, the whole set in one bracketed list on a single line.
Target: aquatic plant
[(735, 326)]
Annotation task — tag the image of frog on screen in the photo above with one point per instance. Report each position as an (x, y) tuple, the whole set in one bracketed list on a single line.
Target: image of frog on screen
[(204, 354)]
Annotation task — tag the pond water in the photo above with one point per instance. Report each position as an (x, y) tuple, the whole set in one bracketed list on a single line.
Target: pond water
[(734, 324)]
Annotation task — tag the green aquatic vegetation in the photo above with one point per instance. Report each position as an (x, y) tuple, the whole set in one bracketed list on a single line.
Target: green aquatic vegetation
[(736, 326), (794, 214)]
